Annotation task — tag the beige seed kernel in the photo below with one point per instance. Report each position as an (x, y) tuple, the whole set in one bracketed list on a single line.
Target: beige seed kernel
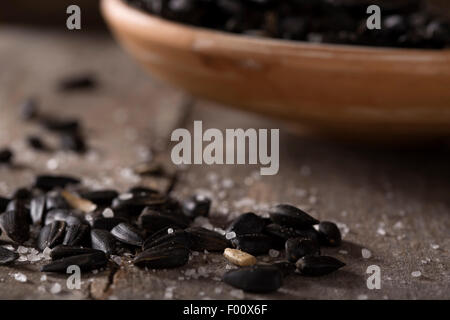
[(78, 203), (239, 257)]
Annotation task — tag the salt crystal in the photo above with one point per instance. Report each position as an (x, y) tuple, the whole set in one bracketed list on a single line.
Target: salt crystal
[(398, 225), (416, 274), (22, 259), (20, 277), (33, 257), (343, 251), (44, 277), (117, 259), (22, 250), (230, 235), (363, 297), (343, 228), (381, 231), (274, 253), (52, 164), (170, 230), (56, 288), (218, 290), (126, 196), (434, 246), (239, 294), (95, 271), (46, 253), (108, 213), (227, 183), (366, 254)]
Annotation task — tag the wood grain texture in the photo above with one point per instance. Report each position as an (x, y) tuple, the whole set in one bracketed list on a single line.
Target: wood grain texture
[(363, 187)]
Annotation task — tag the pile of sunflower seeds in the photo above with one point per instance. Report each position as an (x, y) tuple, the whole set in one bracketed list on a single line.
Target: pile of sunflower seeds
[(405, 23), (71, 225)]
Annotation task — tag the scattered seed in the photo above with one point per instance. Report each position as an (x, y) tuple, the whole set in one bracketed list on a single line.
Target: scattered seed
[(239, 257), (258, 279)]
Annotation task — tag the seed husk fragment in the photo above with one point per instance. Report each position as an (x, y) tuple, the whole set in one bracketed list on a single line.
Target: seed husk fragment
[(86, 262), (255, 244), (329, 234), (51, 235), (247, 223), (78, 203), (318, 265), (128, 234), (257, 279), (287, 215), (163, 257), (299, 247), (239, 257), (7, 256), (48, 182), (62, 251), (204, 239), (103, 240)]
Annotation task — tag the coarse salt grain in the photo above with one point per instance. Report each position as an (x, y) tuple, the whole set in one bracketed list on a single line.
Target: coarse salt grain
[(20, 277), (274, 253), (239, 294), (230, 235), (434, 246), (56, 288), (108, 213), (366, 254), (416, 274)]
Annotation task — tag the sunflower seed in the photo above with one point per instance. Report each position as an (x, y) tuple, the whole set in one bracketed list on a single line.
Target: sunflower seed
[(78, 203), (128, 234), (176, 237), (6, 155), (329, 234), (107, 223), (85, 262), (287, 268), (62, 251), (258, 279), (204, 239), (300, 247), (7, 256), (48, 182), (51, 235), (318, 265), (287, 215), (239, 257), (163, 257), (101, 197), (197, 206), (76, 234), (152, 221), (3, 204), (15, 225), (255, 244), (103, 240), (38, 208), (247, 223)]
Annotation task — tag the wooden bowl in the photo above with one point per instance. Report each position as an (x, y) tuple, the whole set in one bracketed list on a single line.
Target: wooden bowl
[(350, 90)]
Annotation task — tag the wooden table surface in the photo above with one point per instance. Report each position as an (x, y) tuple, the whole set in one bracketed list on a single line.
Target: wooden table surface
[(393, 201)]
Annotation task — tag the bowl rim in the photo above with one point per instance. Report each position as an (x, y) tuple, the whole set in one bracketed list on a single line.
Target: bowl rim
[(132, 16)]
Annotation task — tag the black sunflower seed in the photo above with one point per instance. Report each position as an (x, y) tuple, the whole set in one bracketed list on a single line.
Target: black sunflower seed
[(48, 182), (287, 215), (6, 155), (203, 239), (51, 235), (152, 221), (318, 265), (3, 204), (247, 223), (62, 251), (59, 125), (7, 256), (73, 141), (78, 82), (160, 233), (107, 223), (55, 200), (29, 109), (143, 191), (86, 262), (255, 244), (37, 143), (134, 204), (69, 216), (175, 237), (38, 208), (100, 197), (163, 257), (197, 206), (76, 234), (284, 233), (286, 267), (300, 247), (128, 234), (15, 225), (103, 240), (258, 279), (329, 234)]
